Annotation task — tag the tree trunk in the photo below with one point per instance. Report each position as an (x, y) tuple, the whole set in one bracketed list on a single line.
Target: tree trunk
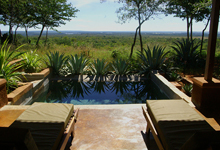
[(203, 31), (10, 38), (187, 21), (139, 21), (40, 35), (15, 35), (191, 30), (140, 39), (46, 36), (132, 47), (26, 31)]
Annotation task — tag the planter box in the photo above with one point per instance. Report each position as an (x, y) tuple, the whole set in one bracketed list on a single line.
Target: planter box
[(176, 84), (205, 94), (27, 77), (21, 93), (3, 93), (171, 91)]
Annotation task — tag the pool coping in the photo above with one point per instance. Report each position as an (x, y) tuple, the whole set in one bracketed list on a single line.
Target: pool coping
[(169, 89)]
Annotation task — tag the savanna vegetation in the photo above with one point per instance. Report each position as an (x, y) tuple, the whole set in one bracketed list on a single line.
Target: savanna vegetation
[(106, 53)]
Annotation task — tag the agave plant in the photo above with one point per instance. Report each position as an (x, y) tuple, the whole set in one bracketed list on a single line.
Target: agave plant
[(7, 70), (152, 59), (31, 62), (55, 61), (188, 89), (174, 76), (99, 67), (77, 65), (120, 67), (186, 54)]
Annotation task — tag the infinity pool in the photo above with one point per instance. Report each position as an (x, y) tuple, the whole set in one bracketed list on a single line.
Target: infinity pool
[(90, 93)]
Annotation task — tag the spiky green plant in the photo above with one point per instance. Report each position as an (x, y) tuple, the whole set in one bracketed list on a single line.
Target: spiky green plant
[(152, 59), (120, 67), (55, 61), (188, 89), (99, 67), (174, 76), (77, 65), (31, 62), (185, 53), (7, 69)]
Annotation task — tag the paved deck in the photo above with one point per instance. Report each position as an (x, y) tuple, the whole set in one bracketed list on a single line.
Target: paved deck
[(114, 127), (100, 127)]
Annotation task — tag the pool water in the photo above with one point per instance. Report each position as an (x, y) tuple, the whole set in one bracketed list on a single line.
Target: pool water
[(88, 93)]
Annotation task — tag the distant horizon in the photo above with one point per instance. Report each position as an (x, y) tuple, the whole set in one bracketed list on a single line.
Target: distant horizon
[(98, 31)]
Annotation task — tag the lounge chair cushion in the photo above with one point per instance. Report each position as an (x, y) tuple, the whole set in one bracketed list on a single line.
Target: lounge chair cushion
[(175, 121), (46, 121)]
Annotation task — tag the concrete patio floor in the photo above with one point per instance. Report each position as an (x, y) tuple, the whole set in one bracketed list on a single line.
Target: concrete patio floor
[(111, 127)]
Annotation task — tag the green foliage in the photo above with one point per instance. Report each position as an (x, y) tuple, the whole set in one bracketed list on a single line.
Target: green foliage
[(186, 55), (115, 54), (7, 69), (188, 89), (77, 65), (152, 60), (99, 67), (120, 67), (190, 10), (55, 61), (31, 62), (174, 76)]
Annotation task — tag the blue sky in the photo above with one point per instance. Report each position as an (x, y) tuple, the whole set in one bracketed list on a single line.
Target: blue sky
[(96, 16)]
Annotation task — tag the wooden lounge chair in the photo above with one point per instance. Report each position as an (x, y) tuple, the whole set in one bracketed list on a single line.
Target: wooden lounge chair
[(50, 124), (175, 125)]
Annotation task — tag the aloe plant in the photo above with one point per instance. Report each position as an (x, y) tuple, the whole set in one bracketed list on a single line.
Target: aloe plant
[(188, 89), (99, 67), (7, 70), (31, 62), (120, 67), (185, 53), (77, 65), (174, 76), (55, 61), (152, 59)]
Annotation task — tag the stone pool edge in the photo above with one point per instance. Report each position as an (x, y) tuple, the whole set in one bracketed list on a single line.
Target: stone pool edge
[(169, 89)]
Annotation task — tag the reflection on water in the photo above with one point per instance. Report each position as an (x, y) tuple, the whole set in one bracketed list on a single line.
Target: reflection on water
[(84, 93)]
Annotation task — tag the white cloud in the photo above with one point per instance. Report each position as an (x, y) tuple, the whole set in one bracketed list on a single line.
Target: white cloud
[(81, 3)]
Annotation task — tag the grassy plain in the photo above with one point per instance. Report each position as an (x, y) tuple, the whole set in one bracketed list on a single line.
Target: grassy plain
[(102, 45)]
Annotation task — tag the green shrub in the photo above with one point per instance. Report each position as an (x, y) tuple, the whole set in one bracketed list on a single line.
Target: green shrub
[(55, 61), (77, 65), (31, 62), (174, 76), (152, 59), (186, 55), (120, 67), (99, 67), (115, 54), (8, 70), (188, 89)]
